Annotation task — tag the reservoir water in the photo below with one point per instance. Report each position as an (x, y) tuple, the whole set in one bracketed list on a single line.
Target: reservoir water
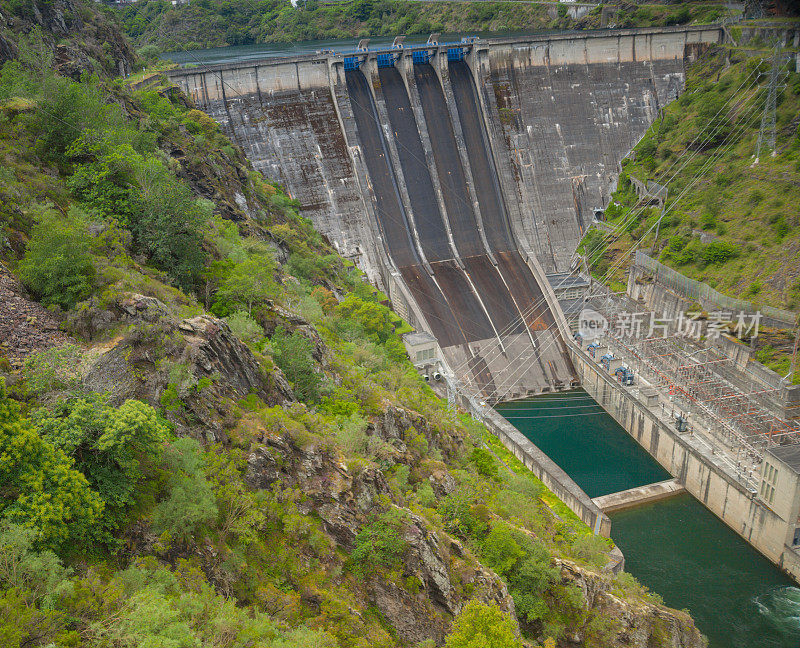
[(297, 48), (677, 547)]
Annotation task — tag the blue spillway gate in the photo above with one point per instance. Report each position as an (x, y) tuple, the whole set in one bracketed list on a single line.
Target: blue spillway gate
[(455, 53), (351, 63), (420, 56), (385, 59)]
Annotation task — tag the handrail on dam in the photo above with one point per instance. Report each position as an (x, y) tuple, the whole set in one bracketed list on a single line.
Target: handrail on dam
[(544, 37)]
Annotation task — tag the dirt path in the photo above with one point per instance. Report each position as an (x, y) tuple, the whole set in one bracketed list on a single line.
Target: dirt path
[(25, 325)]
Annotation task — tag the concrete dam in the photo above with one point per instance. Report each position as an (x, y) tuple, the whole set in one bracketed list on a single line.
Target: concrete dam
[(459, 176)]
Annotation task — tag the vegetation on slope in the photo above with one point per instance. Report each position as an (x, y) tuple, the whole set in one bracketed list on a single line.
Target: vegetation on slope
[(235, 449), (79, 38), (728, 221), (207, 23)]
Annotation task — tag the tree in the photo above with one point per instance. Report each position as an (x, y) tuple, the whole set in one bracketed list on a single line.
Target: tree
[(484, 462), (150, 53), (36, 574), (39, 488), (190, 503), (66, 108), (55, 368), (374, 318), (109, 446), (379, 543), (712, 118), (58, 265), (483, 626), (293, 353), (500, 550), (168, 223), (116, 173), (249, 282)]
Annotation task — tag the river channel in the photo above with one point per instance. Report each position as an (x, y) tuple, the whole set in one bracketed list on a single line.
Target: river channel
[(676, 547)]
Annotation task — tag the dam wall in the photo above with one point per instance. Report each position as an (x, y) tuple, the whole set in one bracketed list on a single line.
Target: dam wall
[(457, 175), (694, 465), (565, 111), (286, 115), (560, 110)]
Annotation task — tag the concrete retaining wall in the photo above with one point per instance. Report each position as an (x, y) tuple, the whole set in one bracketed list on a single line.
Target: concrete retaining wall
[(558, 481), (694, 467)]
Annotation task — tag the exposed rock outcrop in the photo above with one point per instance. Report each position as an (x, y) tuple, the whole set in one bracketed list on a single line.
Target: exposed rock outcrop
[(639, 624), (80, 38), (436, 565), (395, 424), (192, 368)]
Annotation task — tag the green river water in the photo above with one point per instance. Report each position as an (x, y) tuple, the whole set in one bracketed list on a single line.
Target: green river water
[(677, 547)]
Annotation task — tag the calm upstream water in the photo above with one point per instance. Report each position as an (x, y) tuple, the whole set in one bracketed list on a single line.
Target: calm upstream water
[(677, 547), (268, 50)]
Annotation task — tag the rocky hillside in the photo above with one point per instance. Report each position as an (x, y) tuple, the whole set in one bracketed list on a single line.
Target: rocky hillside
[(77, 38), (210, 433), (240, 22)]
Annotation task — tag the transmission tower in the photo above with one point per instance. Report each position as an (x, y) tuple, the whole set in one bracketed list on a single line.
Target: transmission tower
[(766, 134)]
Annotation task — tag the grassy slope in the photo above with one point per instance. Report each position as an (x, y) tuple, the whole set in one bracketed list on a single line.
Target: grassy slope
[(210, 24)]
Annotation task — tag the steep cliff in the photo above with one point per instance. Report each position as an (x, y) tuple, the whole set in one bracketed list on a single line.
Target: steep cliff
[(77, 38), (235, 450)]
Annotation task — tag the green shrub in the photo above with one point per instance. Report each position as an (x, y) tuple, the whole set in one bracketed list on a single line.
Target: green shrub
[(379, 543), (65, 109), (246, 328), (461, 517), (58, 266), (248, 284), (314, 268), (190, 504), (484, 462), (150, 53), (712, 118), (293, 353), (425, 494), (708, 221), (718, 252), (500, 550), (483, 626), (41, 489), (55, 368), (780, 225), (109, 445)]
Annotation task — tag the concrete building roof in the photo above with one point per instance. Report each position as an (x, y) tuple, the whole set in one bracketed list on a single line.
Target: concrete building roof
[(418, 337), (572, 306), (562, 280), (788, 454)]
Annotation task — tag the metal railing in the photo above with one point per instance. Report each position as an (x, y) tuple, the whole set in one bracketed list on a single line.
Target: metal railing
[(705, 294)]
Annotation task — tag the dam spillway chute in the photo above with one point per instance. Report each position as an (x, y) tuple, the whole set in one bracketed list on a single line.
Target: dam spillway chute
[(502, 332)]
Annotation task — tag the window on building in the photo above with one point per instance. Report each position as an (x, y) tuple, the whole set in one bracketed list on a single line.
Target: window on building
[(570, 293), (769, 479)]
